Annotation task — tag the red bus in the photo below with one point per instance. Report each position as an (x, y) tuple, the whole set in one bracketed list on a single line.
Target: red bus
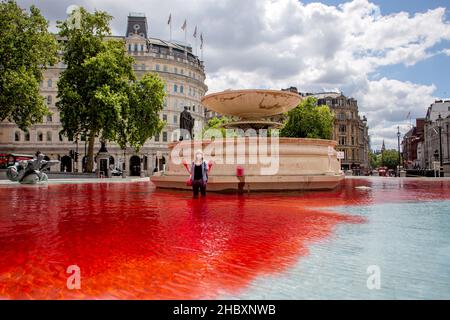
[(8, 159)]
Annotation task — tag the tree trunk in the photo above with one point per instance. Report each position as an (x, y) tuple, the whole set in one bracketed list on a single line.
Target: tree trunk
[(90, 163)]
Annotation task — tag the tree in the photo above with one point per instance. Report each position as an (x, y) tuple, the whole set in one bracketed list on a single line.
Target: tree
[(216, 123), (98, 92), (390, 158), (308, 120), (26, 48), (374, 159)]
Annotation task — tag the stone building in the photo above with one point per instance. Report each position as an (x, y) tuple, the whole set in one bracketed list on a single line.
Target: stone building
[(412, 146), (175, 63), (437, 121), (350, 131)]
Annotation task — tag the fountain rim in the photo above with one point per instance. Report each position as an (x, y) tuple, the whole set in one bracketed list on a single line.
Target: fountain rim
[(283, 140), (251, 90)]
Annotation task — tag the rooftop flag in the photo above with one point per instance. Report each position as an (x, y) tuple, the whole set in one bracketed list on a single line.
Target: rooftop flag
[(195, 32), (170, 19), (183, 27)]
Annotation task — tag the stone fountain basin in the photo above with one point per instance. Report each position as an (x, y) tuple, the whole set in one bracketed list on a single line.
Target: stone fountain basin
[(252, 103)]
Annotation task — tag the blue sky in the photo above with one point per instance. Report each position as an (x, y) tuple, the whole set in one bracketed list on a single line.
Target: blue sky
[(434, 70)]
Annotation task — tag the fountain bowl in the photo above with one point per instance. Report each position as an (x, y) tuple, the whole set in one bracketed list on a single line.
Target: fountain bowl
[(251, 103)]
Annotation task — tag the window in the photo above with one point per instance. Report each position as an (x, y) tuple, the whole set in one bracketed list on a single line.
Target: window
[(164, 138), (83, 137), (60, 137), (143, 66), (175, 119), (157, 67), (342, 140), (40, 137), (157, 138), (142, 47), (182, 71), (165, 68), (49, 83), (129, 47), (165, 117), (135, 47), (17, 136), (49, 136), (193, 108), (342, 128), (342, 116), (27, 136), (353, 141), (175, 88), (49, 100), (175, 70), (49, 118), (181, 89)]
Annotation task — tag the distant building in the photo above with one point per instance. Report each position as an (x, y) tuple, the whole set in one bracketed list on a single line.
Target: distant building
[(350, 131), (183, 74), (438, 117), (412, 146)]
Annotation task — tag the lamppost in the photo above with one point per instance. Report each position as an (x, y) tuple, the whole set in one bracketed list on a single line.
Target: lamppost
[(439, 122), (399, 156)]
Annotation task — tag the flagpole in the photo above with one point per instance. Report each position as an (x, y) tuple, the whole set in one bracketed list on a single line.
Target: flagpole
[(201, 46), (170, 30), (185, 41)]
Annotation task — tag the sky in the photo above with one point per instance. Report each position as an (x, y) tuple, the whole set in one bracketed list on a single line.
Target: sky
[(393, 56)]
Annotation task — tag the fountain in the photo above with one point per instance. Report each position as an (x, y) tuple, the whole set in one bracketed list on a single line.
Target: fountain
[(254, 161)]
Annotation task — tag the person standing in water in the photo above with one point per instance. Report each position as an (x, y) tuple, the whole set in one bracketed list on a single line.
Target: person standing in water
[(199, 174)]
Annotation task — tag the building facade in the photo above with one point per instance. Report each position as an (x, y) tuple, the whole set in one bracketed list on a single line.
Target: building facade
[(437, 135), (350, 131), (175, 63), (412, 146)]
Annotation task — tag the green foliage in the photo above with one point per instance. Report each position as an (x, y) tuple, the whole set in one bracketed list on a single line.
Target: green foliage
[(26, 47), (308, 120), (374, 159), (146, 101), (390, 158), (98, 92), (86, 56), (216, 123)]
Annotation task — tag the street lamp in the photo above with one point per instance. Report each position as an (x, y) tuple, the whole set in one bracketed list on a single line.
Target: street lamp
[(439, 123), (399, 157)]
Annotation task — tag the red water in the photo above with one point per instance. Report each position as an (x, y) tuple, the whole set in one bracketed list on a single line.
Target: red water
[(134, 242)]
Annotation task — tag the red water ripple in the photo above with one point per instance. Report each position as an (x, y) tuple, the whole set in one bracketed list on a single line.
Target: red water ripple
[(132, 242)]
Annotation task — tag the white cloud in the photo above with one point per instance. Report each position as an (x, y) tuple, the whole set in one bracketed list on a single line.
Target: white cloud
[(392, 103), (279, 43)]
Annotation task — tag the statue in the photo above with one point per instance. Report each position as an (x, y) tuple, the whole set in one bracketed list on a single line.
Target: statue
[(186, 123), (30, 171)]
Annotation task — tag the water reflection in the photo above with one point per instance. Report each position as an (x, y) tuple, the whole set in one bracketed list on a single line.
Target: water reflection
[(132, 241)]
